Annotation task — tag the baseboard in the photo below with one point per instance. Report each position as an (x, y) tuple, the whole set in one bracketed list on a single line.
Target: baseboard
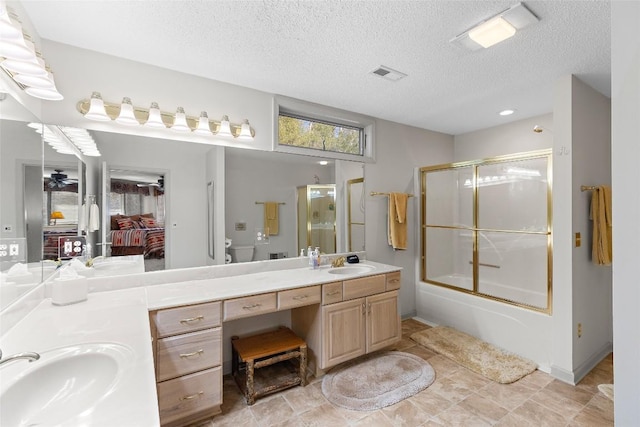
[(581, 371), (408, 315), (575, 376), (420, 319)]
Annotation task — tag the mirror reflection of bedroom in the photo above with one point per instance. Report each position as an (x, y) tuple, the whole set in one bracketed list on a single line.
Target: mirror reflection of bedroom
[(137, 216)]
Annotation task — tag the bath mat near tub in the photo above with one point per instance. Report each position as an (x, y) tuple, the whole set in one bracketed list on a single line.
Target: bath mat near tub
[(476, 355), (377, 380)]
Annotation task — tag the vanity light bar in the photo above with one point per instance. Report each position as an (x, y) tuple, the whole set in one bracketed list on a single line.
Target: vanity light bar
[(21, 61), (128, 114)]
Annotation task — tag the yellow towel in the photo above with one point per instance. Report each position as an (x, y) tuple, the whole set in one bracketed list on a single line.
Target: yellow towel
[(271, 218), (601, 251), (397, 229)]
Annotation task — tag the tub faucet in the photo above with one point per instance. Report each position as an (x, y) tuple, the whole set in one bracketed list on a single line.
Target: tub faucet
[(30, 356)]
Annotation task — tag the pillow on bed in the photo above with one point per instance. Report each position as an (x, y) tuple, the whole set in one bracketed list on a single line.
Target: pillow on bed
[(149, 222), (114, 221), (126, 223)]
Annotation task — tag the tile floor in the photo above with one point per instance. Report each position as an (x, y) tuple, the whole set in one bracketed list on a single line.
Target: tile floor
[(458, 397)]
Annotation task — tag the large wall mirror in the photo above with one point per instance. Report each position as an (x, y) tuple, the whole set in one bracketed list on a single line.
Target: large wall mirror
[(173, 176)]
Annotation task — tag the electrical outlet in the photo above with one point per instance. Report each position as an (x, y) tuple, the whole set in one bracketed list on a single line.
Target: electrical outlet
[(241, 226), (7, 228), (579, 330)]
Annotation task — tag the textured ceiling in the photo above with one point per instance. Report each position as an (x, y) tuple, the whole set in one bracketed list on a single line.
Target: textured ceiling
[(324, 51)]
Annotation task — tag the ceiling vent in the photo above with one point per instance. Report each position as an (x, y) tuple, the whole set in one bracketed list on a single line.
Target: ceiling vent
[(388, 73)]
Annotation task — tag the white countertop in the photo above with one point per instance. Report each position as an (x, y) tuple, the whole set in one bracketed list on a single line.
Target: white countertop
[(109, 317), (199, 291), (122, 317)]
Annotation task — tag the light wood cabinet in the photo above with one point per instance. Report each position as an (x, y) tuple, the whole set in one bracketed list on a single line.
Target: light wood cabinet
[(188, 358), (366, 320)]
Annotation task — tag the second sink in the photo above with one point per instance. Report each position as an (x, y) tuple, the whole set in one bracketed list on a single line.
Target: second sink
[(63, 384), (359, 269)]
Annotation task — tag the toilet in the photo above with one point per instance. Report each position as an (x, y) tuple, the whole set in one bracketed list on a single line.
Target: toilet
[(241, 253)]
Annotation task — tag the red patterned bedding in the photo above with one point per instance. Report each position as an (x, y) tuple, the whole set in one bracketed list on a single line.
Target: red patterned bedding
[(150, 239)]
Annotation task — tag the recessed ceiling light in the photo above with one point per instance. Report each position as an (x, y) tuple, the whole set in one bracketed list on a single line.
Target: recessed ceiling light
[(506, 112), (388, 73), (323, 162)]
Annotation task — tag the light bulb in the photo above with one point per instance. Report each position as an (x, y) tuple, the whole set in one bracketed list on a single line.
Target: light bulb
[(180, 121), (155, 118), (96, 109), (34, 66), (127, 116), (203, 125), (225, 127), (41, 82), (245, 131)]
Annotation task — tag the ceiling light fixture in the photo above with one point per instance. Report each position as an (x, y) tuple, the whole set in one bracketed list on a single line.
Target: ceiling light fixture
[(496, 29), (506, 112), (21, 60), (126, 113)]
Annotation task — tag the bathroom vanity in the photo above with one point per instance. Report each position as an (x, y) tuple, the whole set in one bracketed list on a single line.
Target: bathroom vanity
[(341, 313)]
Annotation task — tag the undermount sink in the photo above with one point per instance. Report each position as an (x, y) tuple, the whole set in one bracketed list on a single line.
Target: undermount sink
[(351, 269), (62, 385), (114, 265)]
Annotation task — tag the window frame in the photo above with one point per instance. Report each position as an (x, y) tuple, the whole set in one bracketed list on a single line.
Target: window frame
[(328, 115)]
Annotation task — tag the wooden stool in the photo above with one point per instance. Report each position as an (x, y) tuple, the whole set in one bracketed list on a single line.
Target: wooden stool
[(266, 349)]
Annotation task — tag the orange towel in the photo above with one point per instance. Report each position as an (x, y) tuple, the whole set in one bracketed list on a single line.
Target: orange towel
[(397, 229), (601, 251), (271, 218)]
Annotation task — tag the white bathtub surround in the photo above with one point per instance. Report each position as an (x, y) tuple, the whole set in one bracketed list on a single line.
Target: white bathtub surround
[(110, 317)]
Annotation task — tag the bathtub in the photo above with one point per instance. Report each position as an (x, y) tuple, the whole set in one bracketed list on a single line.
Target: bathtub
[(512, 293)]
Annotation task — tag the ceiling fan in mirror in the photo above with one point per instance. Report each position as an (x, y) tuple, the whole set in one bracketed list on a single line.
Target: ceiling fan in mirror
[(60, 180), (159, 185)]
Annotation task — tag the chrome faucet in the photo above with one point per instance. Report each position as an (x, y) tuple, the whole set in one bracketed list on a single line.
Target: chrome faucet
[(30, 356)]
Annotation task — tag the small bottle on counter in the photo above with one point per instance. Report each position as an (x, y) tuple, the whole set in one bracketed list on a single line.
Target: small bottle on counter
[(317, 260), (310, 255)]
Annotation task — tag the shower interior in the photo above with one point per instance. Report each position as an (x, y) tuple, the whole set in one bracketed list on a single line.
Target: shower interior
[(487, 228)]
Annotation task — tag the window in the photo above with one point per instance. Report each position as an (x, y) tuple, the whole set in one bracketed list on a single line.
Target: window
[(306, 128)]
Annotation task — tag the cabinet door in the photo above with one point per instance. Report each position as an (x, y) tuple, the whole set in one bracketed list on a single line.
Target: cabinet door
[(383, 321), (343, 332)]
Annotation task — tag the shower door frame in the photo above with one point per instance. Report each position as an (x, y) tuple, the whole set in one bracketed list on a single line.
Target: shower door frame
[(474, 165)]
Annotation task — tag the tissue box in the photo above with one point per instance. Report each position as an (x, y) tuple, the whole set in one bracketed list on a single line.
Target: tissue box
[(68, 291)]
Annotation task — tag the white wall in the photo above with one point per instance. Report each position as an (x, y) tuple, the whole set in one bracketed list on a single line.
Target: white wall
[(399, 150), (625, 89), (592, 284)]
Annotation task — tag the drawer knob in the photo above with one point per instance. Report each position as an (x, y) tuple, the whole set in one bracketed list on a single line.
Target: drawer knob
[(192, 396), (195, 353), (250, 307), (332, 293), (394, 280), (301, 297), (192, 319)]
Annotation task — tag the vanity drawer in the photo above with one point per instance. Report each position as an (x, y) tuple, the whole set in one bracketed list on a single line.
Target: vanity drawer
[(249, 306), (186, 395), (393, 281), (331, 293), (363, 286), (180, 320), (188, 353), (299, 297)]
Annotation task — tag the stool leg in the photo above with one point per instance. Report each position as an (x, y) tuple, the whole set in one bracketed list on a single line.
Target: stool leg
[(303, 365), (251, 396)]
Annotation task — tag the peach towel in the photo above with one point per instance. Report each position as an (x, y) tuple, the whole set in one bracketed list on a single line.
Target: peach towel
[(271, 218), (601, 251), (397, 228)]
